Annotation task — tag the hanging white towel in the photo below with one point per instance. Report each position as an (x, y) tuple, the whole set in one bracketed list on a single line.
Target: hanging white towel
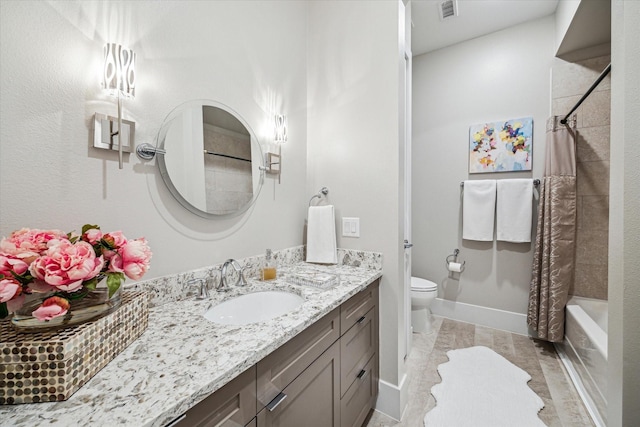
[(321, 235), (478, 209), (514, 210)]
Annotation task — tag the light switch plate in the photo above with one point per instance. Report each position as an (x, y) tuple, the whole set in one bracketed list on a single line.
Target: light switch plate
[(350, 227)]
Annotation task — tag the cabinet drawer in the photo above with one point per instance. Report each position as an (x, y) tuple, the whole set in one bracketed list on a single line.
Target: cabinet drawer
[(356, 306), (278, 369), (232, 405), (361, 396), (312, 399), (357, 346)]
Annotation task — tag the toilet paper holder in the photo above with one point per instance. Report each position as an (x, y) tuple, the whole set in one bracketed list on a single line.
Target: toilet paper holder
[(452, 262)]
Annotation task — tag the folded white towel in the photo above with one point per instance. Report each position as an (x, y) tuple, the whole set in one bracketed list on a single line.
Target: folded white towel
[(514, 210), (321, 235), (478, 209)]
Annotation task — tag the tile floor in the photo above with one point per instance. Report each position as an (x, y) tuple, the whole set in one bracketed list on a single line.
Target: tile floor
[(563, 407)]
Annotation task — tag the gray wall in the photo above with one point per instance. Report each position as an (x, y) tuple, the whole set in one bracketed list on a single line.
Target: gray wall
[(353, 146), (250, 56), (500, 76), (624, 222)]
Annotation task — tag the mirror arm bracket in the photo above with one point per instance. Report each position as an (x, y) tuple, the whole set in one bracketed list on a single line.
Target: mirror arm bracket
[(147, 151)]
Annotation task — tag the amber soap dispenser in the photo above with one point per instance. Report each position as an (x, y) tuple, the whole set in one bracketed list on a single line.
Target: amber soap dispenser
[(269, 271)]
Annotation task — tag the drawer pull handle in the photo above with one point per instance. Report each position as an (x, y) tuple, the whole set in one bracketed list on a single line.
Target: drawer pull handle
[(362, 374), (360, 320), (276, 401)]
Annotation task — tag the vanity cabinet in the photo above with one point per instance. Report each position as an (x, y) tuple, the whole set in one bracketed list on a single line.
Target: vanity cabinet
[(326, 376), (232, 405), (280, 368), (312, 399)]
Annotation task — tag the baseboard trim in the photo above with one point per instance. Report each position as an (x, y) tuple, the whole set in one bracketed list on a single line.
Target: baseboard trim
[(392, 399), (485, 316)]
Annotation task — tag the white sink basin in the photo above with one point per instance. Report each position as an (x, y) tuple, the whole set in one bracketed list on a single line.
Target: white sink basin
[(254, 307)]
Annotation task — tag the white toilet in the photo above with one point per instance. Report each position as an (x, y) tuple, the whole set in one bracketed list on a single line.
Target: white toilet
[(422, 293)]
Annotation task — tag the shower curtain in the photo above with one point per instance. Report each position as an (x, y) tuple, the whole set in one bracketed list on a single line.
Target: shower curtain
[(553, 260)]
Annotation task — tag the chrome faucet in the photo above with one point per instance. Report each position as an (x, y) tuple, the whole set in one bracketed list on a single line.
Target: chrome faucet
[(203, 292), (223, 285)]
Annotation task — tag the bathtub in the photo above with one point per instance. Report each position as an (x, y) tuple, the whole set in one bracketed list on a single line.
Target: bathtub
[(585, 352)]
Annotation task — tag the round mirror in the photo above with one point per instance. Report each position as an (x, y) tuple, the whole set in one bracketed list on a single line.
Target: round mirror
[(213, 159)]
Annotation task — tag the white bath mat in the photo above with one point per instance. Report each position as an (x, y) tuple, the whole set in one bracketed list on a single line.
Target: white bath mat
[(480, 388)]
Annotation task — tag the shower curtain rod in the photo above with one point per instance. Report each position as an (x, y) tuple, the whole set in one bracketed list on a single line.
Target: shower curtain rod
[(593, 86)]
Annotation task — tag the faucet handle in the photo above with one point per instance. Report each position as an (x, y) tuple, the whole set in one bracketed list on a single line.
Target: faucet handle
[(203, 292), (221, 284), (243, 279)]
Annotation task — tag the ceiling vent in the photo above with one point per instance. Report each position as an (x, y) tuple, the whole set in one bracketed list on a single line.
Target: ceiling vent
[(448, 9)]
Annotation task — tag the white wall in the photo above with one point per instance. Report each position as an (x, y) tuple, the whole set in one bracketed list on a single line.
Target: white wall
[(250, 56), (353, 136), (624, 218), (500, 76)]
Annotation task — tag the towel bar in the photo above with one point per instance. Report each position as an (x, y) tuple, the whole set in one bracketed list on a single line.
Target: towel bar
[(536, 182)]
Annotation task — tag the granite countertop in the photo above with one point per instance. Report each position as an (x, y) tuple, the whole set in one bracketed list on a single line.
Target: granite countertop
[(182, 358)]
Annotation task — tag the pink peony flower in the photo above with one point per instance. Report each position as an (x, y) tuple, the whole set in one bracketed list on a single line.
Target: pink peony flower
[(9, 289), (117, 240), (9, 263), (27, 244), (51, 307), (92, 236), (132, 259), (66, 265)]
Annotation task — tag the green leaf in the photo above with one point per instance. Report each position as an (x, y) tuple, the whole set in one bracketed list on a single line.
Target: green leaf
[(72, 239), (4, 312), (23, 279), (72, 296), (87, 227), (91, 284), (113, 282)]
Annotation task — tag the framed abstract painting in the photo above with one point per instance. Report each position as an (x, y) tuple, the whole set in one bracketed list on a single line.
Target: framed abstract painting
[(502, 146)]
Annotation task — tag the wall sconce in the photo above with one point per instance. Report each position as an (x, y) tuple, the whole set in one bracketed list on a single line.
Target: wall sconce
[(119, 79), (273, 160), (280, 128)]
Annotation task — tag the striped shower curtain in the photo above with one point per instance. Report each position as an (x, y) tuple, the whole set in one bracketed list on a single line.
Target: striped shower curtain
[(553, 260)]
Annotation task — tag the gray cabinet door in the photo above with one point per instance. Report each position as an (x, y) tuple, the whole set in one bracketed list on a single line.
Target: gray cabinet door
[(234, 405), (357, 346), (361, 396), (277, 370), (312, 399), (357, 306)]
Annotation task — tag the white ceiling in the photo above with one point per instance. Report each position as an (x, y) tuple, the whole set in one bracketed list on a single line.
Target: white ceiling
[(475, 18)]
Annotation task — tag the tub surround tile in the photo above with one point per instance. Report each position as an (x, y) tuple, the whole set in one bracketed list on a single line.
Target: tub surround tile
[(593, 178), (596, 109), (182, 358), (587, 241), (591, 281), (576, 78), (593, 144)]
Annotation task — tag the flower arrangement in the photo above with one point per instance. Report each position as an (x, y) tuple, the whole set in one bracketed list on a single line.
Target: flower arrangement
[(34, 261)]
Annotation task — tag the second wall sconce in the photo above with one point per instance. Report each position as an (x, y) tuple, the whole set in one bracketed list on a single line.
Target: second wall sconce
[(119, 79)]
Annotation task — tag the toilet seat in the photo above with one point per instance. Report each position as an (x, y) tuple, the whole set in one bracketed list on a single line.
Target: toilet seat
[(422, 285)]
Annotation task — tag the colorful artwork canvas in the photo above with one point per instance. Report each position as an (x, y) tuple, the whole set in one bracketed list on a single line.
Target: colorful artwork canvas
[(503, 146)]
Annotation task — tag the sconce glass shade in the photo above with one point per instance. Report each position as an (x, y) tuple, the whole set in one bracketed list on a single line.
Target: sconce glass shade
[(119, 73), (280, 128)]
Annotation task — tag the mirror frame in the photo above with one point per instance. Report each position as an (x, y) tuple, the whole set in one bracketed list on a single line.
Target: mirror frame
[(257, 165)]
